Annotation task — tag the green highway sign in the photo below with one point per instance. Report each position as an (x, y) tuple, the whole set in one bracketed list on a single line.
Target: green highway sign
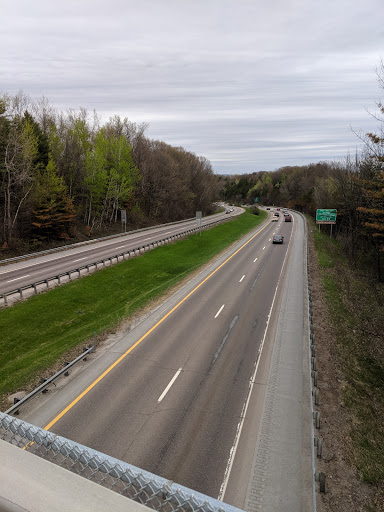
[(326, 216)]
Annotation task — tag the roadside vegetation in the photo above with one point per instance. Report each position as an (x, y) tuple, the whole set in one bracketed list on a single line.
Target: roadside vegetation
[(67, 176), (35, 333), (355, 303)]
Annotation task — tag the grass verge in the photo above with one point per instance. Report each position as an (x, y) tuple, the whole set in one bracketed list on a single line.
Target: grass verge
[(356, 310), (35, 333)]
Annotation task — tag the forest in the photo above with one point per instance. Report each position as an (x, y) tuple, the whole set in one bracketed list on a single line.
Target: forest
[(353, 186), (66, 176)]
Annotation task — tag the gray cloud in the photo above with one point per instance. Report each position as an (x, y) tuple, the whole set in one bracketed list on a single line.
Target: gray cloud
[(249, 85)]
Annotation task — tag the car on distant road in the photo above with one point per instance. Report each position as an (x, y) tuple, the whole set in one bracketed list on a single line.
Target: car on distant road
[(268, 208), (274, 219), (288, 218), (277, 214), (278, 239)]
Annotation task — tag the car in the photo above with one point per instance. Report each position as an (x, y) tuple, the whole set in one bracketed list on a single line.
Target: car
[(227, 211), (268, 208), (286, 214), (278, 239), (288, 218), (274, 219), (277, 214)]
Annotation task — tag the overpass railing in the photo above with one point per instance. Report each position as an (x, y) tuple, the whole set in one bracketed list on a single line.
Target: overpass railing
[(141, 486)]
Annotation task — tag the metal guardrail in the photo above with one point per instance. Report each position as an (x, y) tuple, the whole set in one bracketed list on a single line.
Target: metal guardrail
[(46, 382), (94, 265), (87, 242), (137, 484)]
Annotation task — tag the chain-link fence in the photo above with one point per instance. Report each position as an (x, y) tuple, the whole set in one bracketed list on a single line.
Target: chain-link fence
[(151, 490)]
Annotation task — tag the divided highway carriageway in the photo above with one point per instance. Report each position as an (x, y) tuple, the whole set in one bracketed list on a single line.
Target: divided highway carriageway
[(210, 390)]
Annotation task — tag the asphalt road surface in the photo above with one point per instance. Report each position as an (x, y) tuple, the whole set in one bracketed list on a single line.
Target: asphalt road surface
[(182, 395), (24, 273)]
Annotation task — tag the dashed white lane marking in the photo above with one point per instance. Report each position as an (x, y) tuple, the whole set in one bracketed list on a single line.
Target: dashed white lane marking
[(220, 310), (17, 278), (80, 259), (254, 261), (120, 247), (263, 247), (269, 239), (241, 279), (252, 381), (170, 385)]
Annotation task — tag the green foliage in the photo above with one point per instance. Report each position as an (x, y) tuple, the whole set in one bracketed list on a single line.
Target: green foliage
[(53, 212), (33, 334), (255, 210), (356, 313), (110, 177)]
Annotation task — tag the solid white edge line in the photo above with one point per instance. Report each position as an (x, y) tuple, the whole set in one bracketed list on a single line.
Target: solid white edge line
[(240, 425), (17, 278), (254, 261), (242, 278), (220, 310), (80, 259), (169, 385)]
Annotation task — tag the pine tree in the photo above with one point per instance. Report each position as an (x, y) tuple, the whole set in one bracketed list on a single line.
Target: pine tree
[(54, 212)]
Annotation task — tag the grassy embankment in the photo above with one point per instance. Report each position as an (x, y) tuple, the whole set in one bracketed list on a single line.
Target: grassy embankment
[(35, 333), (356, 310)]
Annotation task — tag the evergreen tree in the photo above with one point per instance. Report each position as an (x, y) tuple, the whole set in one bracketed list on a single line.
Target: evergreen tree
[(54, 212)]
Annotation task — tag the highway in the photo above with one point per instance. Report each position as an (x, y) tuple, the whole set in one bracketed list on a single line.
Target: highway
[(182, 394), (26, 272)]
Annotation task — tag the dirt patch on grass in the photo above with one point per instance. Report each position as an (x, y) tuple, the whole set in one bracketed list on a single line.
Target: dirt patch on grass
[(345, 490)]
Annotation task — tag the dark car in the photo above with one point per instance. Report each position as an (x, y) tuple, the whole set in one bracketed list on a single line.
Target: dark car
[(288, 218), (277, 214), (278, 239)]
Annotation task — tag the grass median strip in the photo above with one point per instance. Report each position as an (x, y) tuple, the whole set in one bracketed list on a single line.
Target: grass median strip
[(35, 333)]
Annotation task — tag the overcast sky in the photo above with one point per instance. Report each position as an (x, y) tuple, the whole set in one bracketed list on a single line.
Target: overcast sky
[(250, 85)]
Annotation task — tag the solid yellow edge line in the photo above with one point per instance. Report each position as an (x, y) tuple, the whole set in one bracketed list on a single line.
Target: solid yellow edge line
[(77, 399)]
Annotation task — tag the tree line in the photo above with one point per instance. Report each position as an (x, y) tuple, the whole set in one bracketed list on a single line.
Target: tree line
[(354, 186), (65, 174)]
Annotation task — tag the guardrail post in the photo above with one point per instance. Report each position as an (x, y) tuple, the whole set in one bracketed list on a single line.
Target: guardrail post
[(316, 417), (35, 288), (21, 293), (319, 444), (58, 279), (46, 282)]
